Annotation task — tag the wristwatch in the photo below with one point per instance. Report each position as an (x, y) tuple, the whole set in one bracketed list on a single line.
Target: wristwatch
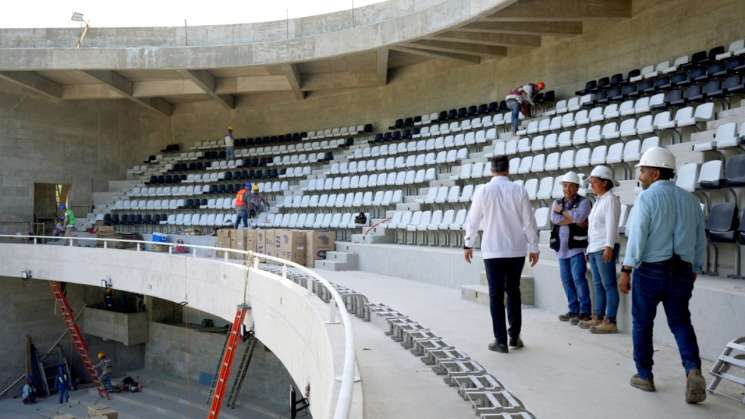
[(626, 270)]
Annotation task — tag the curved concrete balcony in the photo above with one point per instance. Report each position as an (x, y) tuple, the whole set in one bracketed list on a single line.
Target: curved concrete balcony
[(303, 331), (283, 61)]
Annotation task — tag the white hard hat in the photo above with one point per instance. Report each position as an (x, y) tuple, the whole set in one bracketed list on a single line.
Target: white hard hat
[(657, 157), (570, 177), (603, 172)]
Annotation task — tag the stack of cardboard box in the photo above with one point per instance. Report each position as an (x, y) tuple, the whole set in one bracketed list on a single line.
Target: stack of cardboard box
[(299, 246)]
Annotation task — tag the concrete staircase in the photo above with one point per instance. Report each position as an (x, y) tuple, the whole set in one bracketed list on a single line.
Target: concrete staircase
[(342, 259), (373, 235), (480, 293)]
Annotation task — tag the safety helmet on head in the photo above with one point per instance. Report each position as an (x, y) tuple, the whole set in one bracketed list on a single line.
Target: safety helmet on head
[(256, 187), (659, 157), (603, 172), (101, 355), (230, 128), (540, 85), (62, 207), (570, 177), (247, 185)]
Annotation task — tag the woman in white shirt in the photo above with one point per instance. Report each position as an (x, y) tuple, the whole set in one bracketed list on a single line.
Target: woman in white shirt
[(602, 251)]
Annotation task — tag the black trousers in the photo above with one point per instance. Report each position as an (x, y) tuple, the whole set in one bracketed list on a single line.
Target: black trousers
[(503, 275)]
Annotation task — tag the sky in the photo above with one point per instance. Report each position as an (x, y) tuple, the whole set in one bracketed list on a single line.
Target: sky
[(107, 13)]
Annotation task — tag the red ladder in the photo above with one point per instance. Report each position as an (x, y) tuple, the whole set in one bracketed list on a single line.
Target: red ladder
[(227, 362), (77, 337)]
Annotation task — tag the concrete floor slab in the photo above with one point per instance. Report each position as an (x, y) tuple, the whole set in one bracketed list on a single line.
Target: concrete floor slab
[(563, 372)]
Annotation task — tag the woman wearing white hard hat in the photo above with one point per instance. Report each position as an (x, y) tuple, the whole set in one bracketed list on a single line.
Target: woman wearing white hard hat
[(602, 251)]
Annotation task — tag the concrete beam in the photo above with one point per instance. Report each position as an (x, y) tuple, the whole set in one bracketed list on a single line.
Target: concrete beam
[(292, 73), (340, 80), (459, 47), (237, 85), (471, 59), (498, 39), (524, 28), (113, 80), (34, 82), (206, 81), (125, 87), (382, 66), (563, 10)]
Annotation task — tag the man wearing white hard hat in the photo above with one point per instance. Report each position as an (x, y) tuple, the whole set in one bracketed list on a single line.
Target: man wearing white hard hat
[(569, 240), (602, 251), (665, 250)]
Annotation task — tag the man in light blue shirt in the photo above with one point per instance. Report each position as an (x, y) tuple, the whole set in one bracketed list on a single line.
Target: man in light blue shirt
[(665, 250)]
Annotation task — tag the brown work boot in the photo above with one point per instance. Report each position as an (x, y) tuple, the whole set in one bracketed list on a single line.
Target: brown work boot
[(567, 316), (594, 321), (582, 317), (642, 384), (695, 387), (604, 328)]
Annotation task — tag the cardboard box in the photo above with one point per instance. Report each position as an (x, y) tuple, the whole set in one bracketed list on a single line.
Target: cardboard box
[(238, 239), (261, 241), (291, 245), (251, 237), (223, 240), (98, 411), (317, 244), (270, 242)]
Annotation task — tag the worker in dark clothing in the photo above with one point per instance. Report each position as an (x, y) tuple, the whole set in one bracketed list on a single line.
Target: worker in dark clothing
[(62, 382), (257, 203)]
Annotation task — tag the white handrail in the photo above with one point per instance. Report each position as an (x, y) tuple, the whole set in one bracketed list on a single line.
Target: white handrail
[(344, 400)]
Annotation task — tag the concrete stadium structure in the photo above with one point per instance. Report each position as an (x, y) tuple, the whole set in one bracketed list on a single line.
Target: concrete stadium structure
[(86, 116)]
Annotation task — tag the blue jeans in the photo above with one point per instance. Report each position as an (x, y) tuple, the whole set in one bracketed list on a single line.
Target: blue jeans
[(515, 108), (241, 214), (573, 277), (672, 285), (230, 153), (606, 288), (503, 275), (64, 394), (106, 381)]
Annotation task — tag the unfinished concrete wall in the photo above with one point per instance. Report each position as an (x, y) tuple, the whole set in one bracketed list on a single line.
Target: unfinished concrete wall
[(28, 309), (85, 144), (193, 356), (659, 30)]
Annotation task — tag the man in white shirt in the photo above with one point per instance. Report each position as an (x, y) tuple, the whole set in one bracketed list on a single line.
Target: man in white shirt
[(230, 145), (503, 209)]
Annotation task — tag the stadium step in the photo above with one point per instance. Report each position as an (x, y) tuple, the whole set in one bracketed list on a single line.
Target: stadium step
[(344, 257), (480, 293), (335, 265)]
